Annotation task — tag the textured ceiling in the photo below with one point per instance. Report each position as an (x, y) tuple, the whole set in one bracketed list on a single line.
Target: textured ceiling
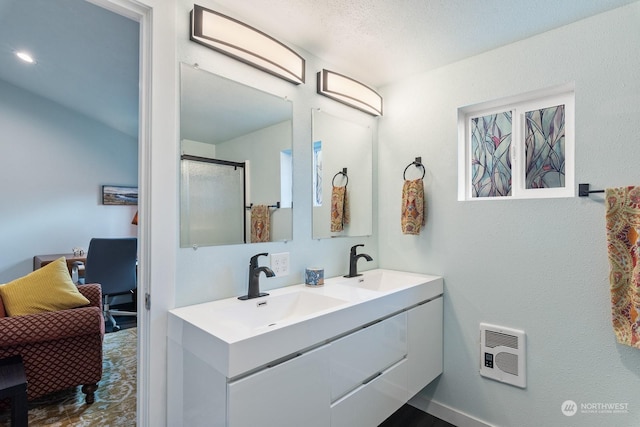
[(88, 57), (381, 41)]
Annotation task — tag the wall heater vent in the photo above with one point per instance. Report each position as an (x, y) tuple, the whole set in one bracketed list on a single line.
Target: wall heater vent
[(502, 354)]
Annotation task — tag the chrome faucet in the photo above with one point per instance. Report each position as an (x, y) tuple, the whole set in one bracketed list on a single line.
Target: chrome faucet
[(353, 261), (254, 278)]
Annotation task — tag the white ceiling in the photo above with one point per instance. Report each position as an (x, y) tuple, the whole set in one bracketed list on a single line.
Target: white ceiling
[(87, 57), (381, 41)]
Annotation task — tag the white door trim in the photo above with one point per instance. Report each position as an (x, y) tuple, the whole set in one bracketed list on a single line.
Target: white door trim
[(142, 14)]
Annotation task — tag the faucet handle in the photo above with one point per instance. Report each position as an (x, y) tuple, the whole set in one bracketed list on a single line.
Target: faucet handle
[(254, 259)]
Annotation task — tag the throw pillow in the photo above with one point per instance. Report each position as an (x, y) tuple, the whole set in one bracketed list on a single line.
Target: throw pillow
[(2, 312), (47, 289)]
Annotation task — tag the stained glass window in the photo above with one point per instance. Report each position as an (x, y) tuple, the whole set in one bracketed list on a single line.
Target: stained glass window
[(490, 155), (519, 147), (545, 148)]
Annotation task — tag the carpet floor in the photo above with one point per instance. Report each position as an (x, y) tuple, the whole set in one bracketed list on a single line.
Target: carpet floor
[(124, 322), (115, 403)]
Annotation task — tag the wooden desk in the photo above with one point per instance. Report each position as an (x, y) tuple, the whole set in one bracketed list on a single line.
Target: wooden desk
[(42, 260)]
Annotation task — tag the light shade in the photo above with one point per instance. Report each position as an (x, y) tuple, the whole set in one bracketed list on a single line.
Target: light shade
[(245, 43), (350, 92)]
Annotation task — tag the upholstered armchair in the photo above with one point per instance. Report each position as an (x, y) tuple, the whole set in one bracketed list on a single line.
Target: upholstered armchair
[(60, 349)]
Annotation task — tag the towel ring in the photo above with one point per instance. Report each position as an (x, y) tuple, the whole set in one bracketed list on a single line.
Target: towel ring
[(418, 165), (342, 172)]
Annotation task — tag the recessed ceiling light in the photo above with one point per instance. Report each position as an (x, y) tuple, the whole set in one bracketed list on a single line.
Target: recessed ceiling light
[(25, 57)]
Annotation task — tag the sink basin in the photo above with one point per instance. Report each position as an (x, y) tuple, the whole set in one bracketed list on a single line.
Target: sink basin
[(385, 280), (271, 311), (235, 337)]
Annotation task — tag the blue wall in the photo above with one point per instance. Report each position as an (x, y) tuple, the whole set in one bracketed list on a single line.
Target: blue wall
[(53, 163)]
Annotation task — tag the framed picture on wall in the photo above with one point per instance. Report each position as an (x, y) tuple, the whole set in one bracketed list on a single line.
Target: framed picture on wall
[(117, 195)]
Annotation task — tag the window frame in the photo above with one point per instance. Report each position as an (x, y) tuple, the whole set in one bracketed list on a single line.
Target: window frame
[(519, 106)]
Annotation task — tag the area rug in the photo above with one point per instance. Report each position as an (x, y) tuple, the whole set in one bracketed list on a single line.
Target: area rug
[(115, 403)]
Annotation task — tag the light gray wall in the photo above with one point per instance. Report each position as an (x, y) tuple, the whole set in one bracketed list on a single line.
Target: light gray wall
[(53, 163), (211, 273), (261, 150), (345, 144), (536, 265), (196, 148)]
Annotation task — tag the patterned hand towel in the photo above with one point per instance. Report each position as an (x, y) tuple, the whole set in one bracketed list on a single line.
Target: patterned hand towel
[(339, 208), (260, 224), (623, 244), (414, 213)]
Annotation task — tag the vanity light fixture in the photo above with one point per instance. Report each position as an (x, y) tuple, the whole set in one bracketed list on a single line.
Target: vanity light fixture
[(245, 43), (350, 92)]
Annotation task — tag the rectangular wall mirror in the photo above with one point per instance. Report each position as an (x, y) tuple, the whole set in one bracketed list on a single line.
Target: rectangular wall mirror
[(342, 157), (236, 162)]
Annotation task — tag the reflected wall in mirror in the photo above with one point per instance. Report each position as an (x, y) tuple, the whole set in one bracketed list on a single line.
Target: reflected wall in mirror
[(339, 144), (236, 163)]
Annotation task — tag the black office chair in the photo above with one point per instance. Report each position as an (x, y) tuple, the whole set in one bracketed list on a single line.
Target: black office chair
[(112, 264)]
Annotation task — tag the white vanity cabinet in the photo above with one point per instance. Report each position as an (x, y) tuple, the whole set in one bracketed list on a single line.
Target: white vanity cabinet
[(424, 356), (293, 393), (356, 380), (349, 365), (359, 357), (373, 402), (388, 363), (369, 373)]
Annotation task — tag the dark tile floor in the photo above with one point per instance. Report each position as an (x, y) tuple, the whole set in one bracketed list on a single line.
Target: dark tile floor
[(409, 416)]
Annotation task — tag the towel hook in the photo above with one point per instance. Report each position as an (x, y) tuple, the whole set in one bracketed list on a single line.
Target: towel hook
[(343, 172), (418, 163)]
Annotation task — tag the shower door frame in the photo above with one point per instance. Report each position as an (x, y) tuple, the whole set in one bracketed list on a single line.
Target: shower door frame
[(235, 165)]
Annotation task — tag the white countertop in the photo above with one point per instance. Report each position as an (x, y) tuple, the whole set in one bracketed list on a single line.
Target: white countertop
[(231, 336)]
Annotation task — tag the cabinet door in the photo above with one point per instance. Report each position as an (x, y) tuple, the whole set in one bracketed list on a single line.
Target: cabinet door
[(358, 356), (292, 394), (425, 344)]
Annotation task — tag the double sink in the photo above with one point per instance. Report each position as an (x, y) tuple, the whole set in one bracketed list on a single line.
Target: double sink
[(302, 302), (236, 337)]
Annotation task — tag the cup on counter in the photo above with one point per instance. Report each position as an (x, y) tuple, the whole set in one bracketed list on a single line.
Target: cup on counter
[(314, 276)]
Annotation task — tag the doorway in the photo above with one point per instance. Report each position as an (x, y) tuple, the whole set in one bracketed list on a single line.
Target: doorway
[(60, 101), (142, 14)]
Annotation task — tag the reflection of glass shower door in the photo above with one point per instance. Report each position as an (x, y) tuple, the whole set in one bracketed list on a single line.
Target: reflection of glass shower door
[(212, 202)]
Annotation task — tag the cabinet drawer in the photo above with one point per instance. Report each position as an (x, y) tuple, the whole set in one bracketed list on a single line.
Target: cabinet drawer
[(371, 403), (292, 394), (358, 356)]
